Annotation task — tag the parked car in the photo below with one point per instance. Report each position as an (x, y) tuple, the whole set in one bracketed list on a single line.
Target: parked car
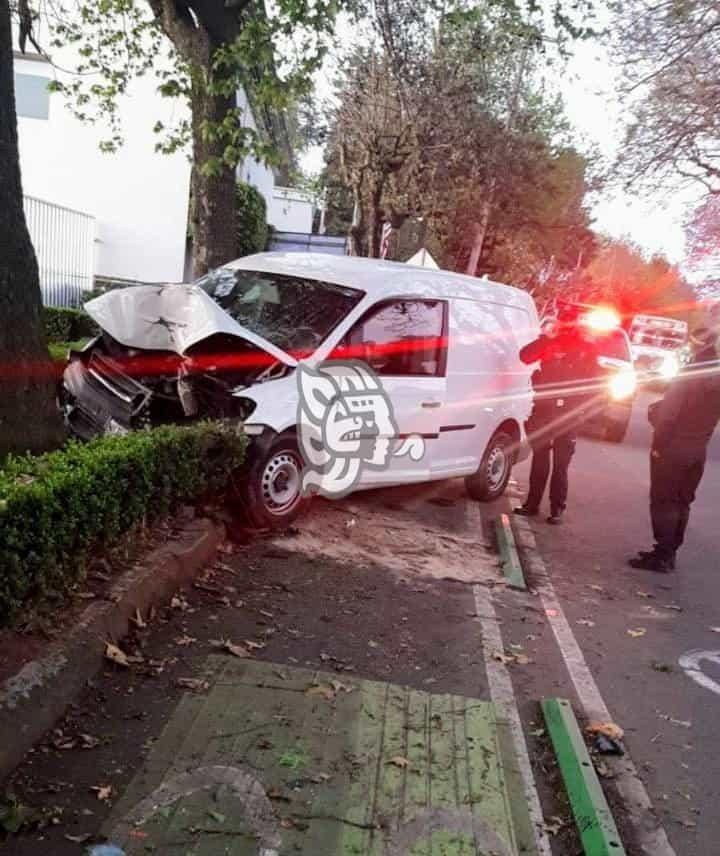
[(659, 347), (443, 346), (615, 394)]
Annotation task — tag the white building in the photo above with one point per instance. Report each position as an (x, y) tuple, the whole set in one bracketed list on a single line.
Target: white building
[(136, 198)]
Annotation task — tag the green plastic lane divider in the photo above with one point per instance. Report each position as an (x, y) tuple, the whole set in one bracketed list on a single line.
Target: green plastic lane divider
[(593, 818), (511, 565)]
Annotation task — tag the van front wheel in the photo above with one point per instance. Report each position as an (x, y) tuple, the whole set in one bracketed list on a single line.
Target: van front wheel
[(493, 474)]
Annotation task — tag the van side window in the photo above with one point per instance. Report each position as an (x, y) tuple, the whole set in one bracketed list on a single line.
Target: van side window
[(402, 337)]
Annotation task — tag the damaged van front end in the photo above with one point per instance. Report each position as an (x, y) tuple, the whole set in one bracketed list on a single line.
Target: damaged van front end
[(166, 354)]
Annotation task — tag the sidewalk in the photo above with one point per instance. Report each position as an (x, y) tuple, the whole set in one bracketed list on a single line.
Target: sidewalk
[(279, 760)]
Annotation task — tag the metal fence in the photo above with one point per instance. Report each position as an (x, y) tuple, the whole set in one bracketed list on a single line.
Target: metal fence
[(64, 244)]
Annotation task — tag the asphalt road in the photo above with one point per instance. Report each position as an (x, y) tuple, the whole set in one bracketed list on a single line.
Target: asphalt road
[(672, 723)]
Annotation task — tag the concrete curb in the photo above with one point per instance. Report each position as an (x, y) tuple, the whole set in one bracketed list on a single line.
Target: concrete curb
[(592, 814), (32, 700)]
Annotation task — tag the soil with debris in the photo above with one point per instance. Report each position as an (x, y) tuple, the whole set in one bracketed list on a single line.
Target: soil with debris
[(376, 587)]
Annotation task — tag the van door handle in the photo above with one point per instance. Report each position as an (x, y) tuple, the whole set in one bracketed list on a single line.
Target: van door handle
[(430, 404)]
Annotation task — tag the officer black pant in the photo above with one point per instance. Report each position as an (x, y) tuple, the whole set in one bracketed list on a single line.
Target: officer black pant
[(562, 448), (674, 478)]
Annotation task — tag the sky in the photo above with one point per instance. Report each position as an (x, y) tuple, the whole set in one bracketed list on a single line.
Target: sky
[(588, 87)]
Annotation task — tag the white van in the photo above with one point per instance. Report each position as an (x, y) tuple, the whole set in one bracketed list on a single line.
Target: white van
[(443, 348)]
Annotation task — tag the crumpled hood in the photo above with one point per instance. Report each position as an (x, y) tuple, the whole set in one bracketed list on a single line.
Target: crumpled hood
[(169, 318)]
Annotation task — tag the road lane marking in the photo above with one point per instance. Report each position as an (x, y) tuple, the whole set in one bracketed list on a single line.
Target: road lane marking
[(690, 664), (651, 836)]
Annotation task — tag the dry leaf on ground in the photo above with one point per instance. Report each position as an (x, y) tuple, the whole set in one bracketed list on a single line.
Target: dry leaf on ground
[(636, 634), (327, 692), (138, 620), (103, 792), (230, 647), (184, 640), (254, 646), (399, 761), (608, 729), (585, 622), (193, 683), (116, 655)]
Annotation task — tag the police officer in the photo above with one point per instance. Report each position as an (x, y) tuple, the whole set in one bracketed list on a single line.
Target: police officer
[(683, 423), (564, 394)]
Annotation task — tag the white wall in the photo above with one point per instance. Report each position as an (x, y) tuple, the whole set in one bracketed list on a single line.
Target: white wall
[(138, 197), (291, 210)]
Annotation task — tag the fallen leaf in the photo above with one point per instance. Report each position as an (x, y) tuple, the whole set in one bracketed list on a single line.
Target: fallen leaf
[(138, 620), (230, 647), (521, 659), (292, 823), (644, 594), (327, 692), (278, 795), (338, 686), (103, 792), (266, 613), (78, 839), (216, 816), (585, 622), (193, 683), (399, 761), (178, 602), (641, 631), (602, 769), (116, 655), (89, 742), (554, 825), (373, 644), (609, 729), (595, 587), (502, 658), (184, 640), (254, 646)]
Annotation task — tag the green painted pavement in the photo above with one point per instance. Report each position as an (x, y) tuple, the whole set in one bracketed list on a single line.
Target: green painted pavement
[(276, 761)]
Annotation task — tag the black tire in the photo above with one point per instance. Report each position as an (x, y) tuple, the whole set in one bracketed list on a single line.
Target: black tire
[(269, 491), (615, 432), (493, 474)]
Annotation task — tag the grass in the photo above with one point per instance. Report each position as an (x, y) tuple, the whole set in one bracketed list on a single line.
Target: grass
[(59, 350)]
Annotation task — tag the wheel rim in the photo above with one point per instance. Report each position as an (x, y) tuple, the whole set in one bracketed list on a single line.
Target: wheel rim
[(497, 464), (280, 482)]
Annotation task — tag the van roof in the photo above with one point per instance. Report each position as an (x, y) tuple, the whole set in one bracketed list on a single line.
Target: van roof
[(380, 278)]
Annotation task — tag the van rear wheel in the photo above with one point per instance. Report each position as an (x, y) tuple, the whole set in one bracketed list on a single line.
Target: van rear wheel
[(493, 474)]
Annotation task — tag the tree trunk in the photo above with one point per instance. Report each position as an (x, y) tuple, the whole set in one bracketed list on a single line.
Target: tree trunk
[(29, 418), (214, 208), (479, 232)]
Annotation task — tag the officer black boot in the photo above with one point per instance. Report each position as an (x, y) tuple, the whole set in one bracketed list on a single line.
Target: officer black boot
[(526, 510), (556, 516), (656, 560)]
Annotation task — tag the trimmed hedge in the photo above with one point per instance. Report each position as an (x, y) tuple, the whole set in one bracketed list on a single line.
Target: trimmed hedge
[(252, 228), (56, 509), (67, 325)]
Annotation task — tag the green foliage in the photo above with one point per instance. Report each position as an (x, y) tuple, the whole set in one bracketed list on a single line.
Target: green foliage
[(56, 509), (252, 227), (196, 51), (67, 325)]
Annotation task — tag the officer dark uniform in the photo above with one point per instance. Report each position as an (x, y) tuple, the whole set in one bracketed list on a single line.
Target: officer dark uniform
[(683, 422), (564, 397)]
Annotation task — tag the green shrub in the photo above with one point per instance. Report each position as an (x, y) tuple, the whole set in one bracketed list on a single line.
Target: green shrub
[(252, 229), (57, 508), (67, 325)]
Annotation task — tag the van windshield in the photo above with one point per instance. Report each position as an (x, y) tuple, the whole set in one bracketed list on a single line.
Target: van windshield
[(292, 312)]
